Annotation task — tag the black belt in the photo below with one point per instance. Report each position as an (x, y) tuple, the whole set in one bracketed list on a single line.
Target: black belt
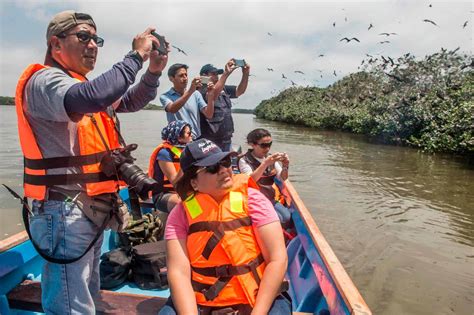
[(59, 196)]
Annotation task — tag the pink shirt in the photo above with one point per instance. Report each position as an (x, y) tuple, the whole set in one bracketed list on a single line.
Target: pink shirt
[(261, 212)]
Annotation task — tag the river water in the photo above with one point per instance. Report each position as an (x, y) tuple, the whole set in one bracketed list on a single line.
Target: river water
[(400, 221)]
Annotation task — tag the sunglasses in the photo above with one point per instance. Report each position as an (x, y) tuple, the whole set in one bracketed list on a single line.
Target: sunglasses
[(85, 37), (265, 145), (214, 169)]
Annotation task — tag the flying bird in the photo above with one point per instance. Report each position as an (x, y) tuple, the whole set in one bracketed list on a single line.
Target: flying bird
[(430, 5), (321, 55), (465, 24), (283, 76), (269, 69), (293, 83), (388, 34), (334, 24), (370, 26), (298, 71), (429, 21), (384, 42), (335, 73), (345, 19), (269, 34), (348, 40), (179, 50)]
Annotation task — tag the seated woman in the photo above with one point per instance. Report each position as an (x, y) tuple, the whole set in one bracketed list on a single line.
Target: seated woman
[(263, 167), (225, 249), (164, 163)]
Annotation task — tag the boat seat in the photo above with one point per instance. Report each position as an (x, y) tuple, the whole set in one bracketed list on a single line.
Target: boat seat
[(27, 296)]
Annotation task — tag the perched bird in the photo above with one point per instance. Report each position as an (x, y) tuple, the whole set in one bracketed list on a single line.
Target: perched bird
[(368, 55), (179, 50), (283, 76), (370, 26), (384, 42), (348, 40), (269, 69), (429, 21), (269, 34), (388, 34), (394, 77), (298, 71), (465, 24)]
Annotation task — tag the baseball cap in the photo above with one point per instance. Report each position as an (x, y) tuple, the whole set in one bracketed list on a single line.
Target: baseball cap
[(202, 152), (210, 69), (65, 20)]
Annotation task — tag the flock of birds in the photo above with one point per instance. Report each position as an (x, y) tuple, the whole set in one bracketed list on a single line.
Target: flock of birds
[(387, 61)]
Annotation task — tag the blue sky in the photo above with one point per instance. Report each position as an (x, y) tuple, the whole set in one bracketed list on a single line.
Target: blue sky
[(215, 31)]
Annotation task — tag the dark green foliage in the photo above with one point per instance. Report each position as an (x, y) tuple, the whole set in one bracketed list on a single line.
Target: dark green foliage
[(7, 100), (428, 104)]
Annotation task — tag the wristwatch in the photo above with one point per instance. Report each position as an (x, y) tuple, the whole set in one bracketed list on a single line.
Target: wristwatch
[(136, 55)]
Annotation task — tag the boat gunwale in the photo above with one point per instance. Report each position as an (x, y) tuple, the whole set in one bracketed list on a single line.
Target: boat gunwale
[(12, 241), (346, 287)]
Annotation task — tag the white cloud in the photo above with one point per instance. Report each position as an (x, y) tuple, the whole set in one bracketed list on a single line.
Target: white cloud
[(214, 31)]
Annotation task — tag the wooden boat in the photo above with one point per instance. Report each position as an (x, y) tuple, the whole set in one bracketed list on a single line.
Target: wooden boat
[(318, 283)]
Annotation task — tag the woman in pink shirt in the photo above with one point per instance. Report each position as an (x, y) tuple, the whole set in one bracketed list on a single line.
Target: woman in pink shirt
[(206, 169)]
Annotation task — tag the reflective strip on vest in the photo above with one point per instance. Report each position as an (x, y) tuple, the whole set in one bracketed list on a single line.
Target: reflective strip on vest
[(193, 207), (236, 202), (176, 151)]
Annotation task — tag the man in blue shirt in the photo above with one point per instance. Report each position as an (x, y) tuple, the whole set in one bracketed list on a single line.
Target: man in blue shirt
[(186, 104)]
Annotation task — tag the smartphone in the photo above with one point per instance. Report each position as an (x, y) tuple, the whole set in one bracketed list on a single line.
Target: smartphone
[(239, 62), (205, 80), (163, 49)]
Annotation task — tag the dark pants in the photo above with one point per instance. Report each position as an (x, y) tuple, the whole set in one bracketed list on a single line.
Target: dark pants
[(281, 306)]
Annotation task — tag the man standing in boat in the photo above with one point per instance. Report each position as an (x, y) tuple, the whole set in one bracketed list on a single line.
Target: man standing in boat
[(67, 124), (187, 104), (220, 127)]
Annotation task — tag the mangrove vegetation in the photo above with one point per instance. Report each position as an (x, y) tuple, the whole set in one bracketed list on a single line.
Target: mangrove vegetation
[(425, 103)]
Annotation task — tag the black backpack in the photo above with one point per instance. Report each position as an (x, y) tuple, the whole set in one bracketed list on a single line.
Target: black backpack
[(114, 268), (149, 265)]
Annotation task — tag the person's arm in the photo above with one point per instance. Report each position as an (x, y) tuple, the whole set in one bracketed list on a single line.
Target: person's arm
[(175, 106), (179, 277), (242, 87), (207, 111), (271, 243), (228, 69), (269, 160), (169, 171)]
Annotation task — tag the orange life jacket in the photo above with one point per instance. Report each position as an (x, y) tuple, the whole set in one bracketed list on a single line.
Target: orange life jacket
[(91, 145), (165, 185), (226, 261)]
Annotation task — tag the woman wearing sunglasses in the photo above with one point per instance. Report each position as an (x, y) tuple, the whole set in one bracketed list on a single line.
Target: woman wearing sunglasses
[(263, 167), (224, 241), (164, 163)]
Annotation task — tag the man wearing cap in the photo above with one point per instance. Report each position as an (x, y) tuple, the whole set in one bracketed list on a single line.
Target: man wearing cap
[(220, 127), (66, 124), (187, 104)]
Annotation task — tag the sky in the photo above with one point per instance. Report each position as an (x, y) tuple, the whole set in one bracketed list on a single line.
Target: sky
[(285, 36)]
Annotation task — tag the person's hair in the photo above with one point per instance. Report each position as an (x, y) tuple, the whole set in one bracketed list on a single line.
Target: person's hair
[(174, 68), (183, 185), (257, 134)]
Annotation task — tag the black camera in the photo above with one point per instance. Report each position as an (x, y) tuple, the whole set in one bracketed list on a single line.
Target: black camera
[(163, 49), (120, 162)]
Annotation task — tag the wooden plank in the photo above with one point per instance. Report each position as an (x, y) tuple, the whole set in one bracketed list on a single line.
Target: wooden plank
[(346, 287), (13, 241), (27, 296)]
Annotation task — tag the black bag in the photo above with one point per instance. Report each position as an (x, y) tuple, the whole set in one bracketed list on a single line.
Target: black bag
[(149, 265), (114, 268)]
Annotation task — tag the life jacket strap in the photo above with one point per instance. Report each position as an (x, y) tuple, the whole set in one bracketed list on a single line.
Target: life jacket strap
[(219, 228), (224, 274), (63, 161), (65, 179)]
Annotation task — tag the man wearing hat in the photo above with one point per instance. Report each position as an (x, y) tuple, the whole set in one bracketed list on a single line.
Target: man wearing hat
[(221, 126), (66, 125), (181, 103)]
